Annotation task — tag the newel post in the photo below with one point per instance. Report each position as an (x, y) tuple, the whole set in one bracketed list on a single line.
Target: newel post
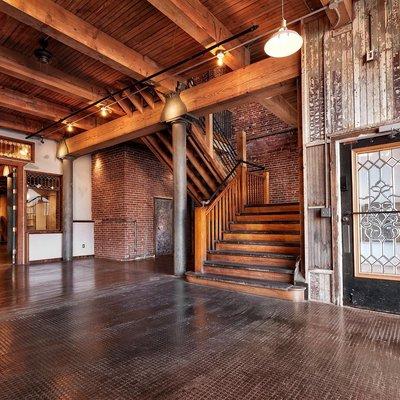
[(200, 238), (242, 155), (266, 187), (210, 134)]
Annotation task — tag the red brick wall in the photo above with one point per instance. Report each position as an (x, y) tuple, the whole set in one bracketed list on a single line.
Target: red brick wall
[(125, 180), (279, 153)]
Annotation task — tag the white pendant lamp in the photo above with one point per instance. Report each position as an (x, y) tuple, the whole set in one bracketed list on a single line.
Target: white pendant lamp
[(284, 42)]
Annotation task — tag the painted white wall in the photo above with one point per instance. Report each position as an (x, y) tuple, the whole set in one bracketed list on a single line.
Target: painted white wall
[(44, 246), (83, 188), (83, 243), (48, 246)]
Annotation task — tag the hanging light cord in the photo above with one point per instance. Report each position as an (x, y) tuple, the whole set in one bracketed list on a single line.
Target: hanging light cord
[(248, 42)]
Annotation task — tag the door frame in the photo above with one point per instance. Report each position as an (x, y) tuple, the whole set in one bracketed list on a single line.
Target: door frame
[(154, 219), (336, 199)]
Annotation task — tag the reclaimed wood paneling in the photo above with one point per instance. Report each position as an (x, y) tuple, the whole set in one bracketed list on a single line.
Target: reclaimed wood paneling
[(343, 92)]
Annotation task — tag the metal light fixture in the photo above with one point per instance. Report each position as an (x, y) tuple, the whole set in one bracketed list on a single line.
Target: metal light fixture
[(105, 111), (6, 171), (174, 108), (70, 128), (284, 42), (220, 57), (62, 149)]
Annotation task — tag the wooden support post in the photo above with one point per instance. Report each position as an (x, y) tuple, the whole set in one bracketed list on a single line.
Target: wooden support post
[(200, 238), (266, 187), (210, 134), (242, 155)]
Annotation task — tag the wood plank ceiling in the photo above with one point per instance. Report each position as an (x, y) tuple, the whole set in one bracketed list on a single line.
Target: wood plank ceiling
[(138, 25)]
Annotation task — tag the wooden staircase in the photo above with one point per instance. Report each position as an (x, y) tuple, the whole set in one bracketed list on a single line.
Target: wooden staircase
[(241, 242), (257, 254)]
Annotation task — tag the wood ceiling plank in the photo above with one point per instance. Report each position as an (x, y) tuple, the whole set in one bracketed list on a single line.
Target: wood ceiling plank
[(46, 76), (32, 105), (197, 21), (66, 27), (268, 75), (19, 124)]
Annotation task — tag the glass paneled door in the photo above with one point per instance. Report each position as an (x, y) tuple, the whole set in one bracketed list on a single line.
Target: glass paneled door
[(371, 224)]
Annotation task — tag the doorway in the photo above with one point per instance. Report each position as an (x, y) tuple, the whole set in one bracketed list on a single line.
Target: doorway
[(370, 200), (163, 226), (7, 215)]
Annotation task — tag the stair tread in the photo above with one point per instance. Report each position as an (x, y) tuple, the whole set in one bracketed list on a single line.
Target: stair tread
[(294, 203), (252, 267), (262, 254), (280, 222), (271, 232), (271, 213), (248, 282), (261, 243)]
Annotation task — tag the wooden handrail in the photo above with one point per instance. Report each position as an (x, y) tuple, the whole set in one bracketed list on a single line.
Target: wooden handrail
[(212, 220)]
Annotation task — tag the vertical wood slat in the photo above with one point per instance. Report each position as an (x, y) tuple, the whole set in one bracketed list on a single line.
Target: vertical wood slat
[(257, 188)]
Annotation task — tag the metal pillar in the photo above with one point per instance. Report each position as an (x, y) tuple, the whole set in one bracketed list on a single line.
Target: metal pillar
[(180, 194), (67, 212)]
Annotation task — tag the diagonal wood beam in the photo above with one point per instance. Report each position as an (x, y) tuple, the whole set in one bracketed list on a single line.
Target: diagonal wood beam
[(270, 75), (280, 107), (32, 105), (197, 21), (47, 16)]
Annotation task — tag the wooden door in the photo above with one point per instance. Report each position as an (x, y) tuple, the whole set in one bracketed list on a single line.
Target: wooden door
[(163, 226), (370, 186)]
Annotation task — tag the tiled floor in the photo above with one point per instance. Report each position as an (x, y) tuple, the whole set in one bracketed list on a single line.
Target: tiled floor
[(104, 330)]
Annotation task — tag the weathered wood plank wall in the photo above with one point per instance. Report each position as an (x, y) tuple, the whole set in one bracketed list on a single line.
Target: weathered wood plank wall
[(341, 91)]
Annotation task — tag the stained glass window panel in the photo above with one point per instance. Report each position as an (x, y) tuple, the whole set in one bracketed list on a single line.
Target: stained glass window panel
[(376, 209)]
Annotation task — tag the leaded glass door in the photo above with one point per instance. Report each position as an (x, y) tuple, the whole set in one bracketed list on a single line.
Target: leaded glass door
[(371, 224)]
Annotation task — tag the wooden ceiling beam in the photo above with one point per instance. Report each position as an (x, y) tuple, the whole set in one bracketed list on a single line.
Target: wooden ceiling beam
[(198, 22), (47, 16), (280, 107), (340, 12), (270, 75), (32, 105), (19, 66), (19, 124)]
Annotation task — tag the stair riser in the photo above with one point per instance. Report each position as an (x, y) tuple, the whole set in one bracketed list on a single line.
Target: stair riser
[(295, 295), (264, 227), (267, 218), (269, 209), (258, 248), (242, 273), (242, 259), (262, 237)]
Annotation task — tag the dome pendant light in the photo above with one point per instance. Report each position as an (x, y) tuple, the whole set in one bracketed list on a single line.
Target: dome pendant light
[(284, 42)]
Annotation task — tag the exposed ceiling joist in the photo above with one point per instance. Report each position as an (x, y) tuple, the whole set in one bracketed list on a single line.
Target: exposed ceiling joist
[(280, 107), (24, 68), (19, 124), (66, 27), (270, 75), (198, 22), (340, 12), (32, 105)]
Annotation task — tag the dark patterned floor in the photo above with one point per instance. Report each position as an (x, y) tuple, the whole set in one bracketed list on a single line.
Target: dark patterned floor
[(103, 330)]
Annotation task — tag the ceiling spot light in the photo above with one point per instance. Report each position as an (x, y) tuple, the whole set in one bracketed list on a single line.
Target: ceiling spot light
[(70, 128), (105, 112), (220, 58), (284, 42)]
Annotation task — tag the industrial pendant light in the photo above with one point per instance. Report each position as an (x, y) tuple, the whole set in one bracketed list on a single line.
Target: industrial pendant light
[(284, 42)]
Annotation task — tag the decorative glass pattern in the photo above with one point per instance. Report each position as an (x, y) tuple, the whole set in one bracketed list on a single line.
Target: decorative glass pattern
[(377, 212), (16, 149)]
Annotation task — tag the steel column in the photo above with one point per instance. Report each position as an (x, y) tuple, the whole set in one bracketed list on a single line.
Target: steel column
[(67, 212), (180, 195)]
